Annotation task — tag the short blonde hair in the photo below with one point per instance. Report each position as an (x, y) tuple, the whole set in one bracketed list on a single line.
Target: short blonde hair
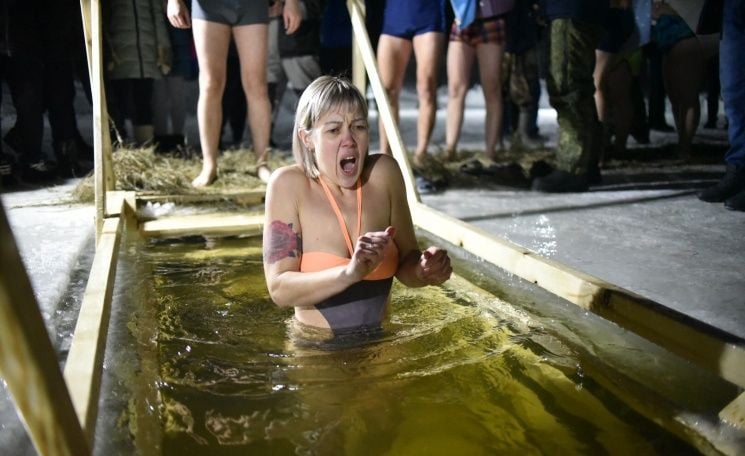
[(323, 95)]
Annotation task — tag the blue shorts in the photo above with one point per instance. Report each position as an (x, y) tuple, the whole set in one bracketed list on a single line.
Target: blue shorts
[(231, 12), (406, 19)]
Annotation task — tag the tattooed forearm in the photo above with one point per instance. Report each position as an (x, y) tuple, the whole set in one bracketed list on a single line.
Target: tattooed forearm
[(283, 242)]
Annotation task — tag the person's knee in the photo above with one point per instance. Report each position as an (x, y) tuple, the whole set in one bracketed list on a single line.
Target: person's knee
[(211, 84), (426, 89)]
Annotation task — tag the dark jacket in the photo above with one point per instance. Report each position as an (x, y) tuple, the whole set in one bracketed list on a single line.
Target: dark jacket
[(522, 27), (307, 38), (136, 43), (591, 11), (19, 27)]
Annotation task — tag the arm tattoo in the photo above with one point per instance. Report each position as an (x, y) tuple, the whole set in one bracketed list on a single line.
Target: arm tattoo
[(283, 242)]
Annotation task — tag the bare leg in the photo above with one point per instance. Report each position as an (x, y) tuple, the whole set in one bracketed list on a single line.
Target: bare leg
[(683, 71), (393, 56), (211, 42), (459, 62), (251, 42), (490, 57), (427, 50)]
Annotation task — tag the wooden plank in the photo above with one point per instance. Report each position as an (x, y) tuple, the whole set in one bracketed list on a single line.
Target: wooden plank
[(116, 200), (381, 99), (734, 412), (85, 359), (214, 224), (242, 197), (28, 362), (573, 286), (104, 178), (695, 341)]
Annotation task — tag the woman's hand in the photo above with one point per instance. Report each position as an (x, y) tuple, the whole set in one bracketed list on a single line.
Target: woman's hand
[(369, 252), (434, 266), (178, 14)]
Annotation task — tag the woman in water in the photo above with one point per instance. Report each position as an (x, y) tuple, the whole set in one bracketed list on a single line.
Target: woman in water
[(338, 227)]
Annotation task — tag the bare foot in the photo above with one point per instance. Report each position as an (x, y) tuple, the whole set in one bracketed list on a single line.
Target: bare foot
[(205, 178), (449, 154)]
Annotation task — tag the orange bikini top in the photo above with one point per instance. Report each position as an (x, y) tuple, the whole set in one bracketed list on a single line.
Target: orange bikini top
[(318, 261)]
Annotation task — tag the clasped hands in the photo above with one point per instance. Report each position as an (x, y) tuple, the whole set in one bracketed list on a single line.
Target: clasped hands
[(432, 268)]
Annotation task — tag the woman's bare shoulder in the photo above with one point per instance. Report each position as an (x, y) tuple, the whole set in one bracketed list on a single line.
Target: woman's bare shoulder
[(382, 164), (290, 175)]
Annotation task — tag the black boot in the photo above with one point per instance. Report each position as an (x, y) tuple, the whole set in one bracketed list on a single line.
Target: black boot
[(736, 203), (561, 182), (731, 184), (71, 161), (169, 143)]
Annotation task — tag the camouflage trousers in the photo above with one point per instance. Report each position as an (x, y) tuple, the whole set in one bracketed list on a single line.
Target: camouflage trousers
[(571, 91), (519, 74)]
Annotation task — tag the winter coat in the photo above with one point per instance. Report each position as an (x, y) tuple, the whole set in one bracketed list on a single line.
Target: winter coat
[(136, 43)]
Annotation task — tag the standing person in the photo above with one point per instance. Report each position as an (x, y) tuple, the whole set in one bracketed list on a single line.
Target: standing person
[(575, 31), (419, 25), (684, 59), (520, 76), (213, 24), (137, 51), (481, 37), (169, 93), (731, 188), (22, 68), (613, 80), (299, 51), (339, 278)]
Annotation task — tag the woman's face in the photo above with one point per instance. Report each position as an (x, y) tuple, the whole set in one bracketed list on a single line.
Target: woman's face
[(339, 141)]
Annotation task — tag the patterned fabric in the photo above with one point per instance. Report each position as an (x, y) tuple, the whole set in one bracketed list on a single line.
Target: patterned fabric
[(493, 30), (520, 73)]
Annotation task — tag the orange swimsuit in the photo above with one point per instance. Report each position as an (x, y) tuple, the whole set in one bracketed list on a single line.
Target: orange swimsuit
[(362, 304)]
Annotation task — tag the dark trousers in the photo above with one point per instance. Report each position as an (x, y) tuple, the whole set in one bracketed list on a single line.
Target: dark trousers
[(24, 74)]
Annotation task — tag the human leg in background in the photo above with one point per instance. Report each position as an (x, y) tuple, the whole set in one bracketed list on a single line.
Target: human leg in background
[(251, 41), (656, 89), (460, 58), (23, 73), (211, 41), (571, 92), (682, 68), (393, 55), (427, 50), (731, 189), (142, 116), (490, 74), (524, 91)]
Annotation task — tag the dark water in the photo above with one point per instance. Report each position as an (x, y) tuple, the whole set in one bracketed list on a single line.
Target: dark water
[(455, 371)]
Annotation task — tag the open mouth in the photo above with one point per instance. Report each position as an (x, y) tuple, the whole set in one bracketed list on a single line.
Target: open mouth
[(348, 165)]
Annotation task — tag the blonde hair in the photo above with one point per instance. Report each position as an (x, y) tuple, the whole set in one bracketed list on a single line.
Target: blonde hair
[(323, 95)]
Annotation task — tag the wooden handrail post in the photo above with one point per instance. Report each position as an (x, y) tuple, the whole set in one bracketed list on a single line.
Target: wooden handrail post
[(381, 98), (104, 178), (28, 362), (359, 77)]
